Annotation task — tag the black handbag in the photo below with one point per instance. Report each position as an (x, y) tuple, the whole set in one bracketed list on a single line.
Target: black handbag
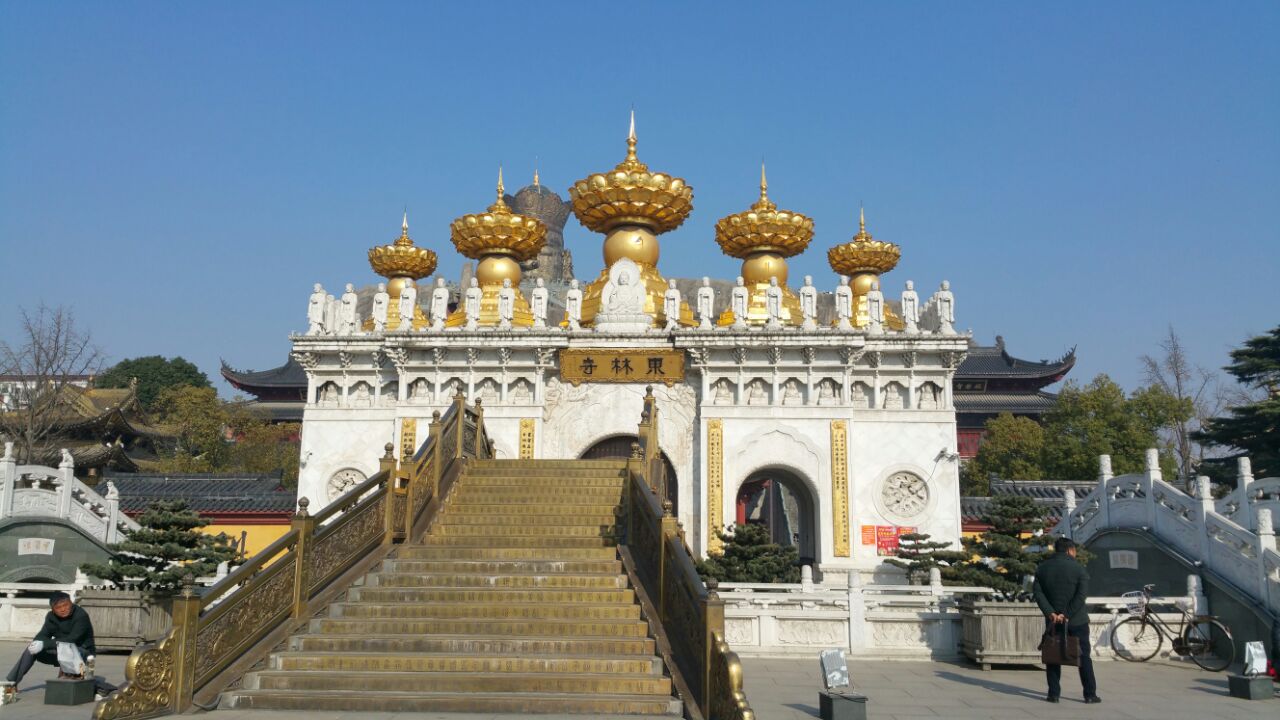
[(1057, 647)]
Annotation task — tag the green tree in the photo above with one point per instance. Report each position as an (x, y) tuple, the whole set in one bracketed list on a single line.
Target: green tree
[(1011, 448), (750, 555), (167, 546), (260, 447), (1252, 428), (1001, 557), (1098, 419), (918, 553), (154, 374), (199, 421)]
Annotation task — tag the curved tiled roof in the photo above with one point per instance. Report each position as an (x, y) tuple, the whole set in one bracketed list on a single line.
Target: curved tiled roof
[(206, 493), (288, 375), (993, 361), (1036, 402)]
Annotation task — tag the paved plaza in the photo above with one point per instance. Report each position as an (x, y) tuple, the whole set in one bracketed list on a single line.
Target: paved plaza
[(788, 690)]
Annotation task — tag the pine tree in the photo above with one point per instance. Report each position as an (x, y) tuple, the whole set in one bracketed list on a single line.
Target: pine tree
[(917, 553), (750, 555), (167, 546), (1001, 557), (1252, 428)]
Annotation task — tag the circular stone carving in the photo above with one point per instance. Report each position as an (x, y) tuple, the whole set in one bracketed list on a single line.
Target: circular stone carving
[(905, 494), (151, 668), (342, 481)]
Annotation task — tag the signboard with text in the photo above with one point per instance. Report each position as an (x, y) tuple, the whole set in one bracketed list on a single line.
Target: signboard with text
[(579, 365), (884, 537)]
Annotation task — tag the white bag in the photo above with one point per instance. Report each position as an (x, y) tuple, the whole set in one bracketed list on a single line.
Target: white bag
[(1255, 659), (69, 659)]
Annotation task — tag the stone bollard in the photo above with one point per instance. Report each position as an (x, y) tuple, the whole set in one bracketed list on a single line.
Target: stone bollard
[(1153, 465), (1244, 478), (806, 578), (1104, 468), (1266, 531)]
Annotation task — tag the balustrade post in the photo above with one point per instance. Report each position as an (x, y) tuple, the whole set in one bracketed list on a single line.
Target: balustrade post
[(1244, 478), (857, 612), (113, 514), (186, 624), (669, 532), (635, 466), (1153, 465), (713, 623), (67, 484), (387, 464), (8, 480), (1195, 593), (1266, 531), (305, 526), (479, 425), (460, 418), (1104, 498), (1069, 509), (1153, 475), (1204, 506), (433, 481)]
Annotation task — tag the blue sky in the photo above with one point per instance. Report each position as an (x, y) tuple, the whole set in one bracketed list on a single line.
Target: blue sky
[(1084, 173)]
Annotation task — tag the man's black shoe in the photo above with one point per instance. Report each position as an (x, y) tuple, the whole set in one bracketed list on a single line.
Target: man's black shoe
[(1051, 698), (1094, 700)]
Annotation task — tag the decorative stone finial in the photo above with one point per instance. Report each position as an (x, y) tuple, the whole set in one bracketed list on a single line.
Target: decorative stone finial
[(667, 508), (648, 391), (303, 504), (188, 585), (1153, 459), (478, 401), (435, 416), (635, 451), (389, 451), (1104, 467)]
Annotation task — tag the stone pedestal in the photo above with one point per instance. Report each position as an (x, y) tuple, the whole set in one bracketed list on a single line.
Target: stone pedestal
[(1251, 688), (68, 691), (847, 705)]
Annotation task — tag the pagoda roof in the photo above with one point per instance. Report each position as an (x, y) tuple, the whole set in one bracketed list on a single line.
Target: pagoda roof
[(206, 493), (1036, 402), (995, 362), (288, 375), (109, 411), (92, 455)]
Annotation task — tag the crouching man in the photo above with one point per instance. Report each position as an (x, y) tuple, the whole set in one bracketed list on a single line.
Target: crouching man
[(65, 622)]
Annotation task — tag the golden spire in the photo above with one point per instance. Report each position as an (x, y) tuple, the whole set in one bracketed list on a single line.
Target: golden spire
[(764, 184), (862, 218), (499, 205), (631, 139), (401, 258), (403, 240), (536, 183)]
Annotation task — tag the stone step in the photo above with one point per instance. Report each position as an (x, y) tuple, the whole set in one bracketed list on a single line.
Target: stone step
[(481, 611), (519, 628), (497, 567), (526, 509), (546, 545), (568, 479), (531, 464), (449, 528), (525, 703), (486, 595), (468, 663), (500, 682), (562, 580), (536, 516), (487, 551), (472, 644), (512, 496)]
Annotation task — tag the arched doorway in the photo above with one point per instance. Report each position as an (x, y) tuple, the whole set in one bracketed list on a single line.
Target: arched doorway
[(619, 446), (780, 501)]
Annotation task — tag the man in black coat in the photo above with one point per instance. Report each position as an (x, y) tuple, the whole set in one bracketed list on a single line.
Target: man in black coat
[(1060, 589), (65, 622)]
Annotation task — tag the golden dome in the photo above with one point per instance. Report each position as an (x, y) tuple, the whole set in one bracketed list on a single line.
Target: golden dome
[(864, 254), (498, 231), (631, 195), (402, 259), (764, 228)]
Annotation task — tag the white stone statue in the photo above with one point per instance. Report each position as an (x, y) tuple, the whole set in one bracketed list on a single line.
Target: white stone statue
[(538, 303), (706, 304), (381, 302), (946, 303), (875, 310), (67, 460), (439, 305), (573, 306), (330, 315), (910, 309), (506, 305), (347, 311), (471, 304), (738, 299), (809, 304), (844, 304), (408, 301), (315, 310), (773, 304), (622, 300), (671, 306)]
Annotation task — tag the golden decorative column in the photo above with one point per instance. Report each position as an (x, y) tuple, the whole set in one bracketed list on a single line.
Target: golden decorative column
[(863, 259), (840, 488), (500, 240), (632, 206), (715, 485), (401, 263), (527, 426), (763, 237)]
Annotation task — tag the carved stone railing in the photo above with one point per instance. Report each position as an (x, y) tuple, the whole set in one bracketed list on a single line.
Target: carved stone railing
[(218, 634), (1243, 555), (689, 612), (40, 491), (1250, 496)]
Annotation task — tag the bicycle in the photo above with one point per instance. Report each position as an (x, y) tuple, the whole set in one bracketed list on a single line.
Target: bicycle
[(1203, 638)]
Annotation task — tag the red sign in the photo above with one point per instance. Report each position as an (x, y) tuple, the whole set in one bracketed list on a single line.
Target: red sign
[(887, 538), (868, 534)]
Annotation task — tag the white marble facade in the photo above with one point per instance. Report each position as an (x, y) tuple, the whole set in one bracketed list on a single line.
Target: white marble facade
[(775, 395)]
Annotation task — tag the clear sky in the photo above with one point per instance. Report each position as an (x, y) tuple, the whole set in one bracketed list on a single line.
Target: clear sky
[(1083, 173)]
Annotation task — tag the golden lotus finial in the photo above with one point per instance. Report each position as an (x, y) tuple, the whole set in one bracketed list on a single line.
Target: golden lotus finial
[(500, 205), (630, 194), (764, 203), (764, 228), (632, 162), (863, 253), (498, 230), (401, 258), (862, 221)]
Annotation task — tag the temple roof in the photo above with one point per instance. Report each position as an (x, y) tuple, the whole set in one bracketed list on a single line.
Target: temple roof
[(994, 362), (1036, 402), (207, 494), (1046, 493), (288, 375), (110, 412)]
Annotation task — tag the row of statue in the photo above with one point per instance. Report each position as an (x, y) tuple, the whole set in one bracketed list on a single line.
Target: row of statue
[(623, 297)]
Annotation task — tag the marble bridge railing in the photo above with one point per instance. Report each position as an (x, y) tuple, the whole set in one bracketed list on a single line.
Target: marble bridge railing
[(38, 491), (1234, 538)]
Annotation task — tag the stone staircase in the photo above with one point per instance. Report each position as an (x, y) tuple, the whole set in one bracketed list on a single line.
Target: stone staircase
[(514, 602)]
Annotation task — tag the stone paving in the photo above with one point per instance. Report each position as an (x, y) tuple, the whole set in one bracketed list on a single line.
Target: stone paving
[(788, 690)]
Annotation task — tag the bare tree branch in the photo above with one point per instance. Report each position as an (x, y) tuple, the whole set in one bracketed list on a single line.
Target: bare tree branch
[(1177, 375)]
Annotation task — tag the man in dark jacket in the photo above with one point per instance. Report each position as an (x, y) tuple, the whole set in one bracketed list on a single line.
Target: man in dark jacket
[(1060, 589), (65, 623)]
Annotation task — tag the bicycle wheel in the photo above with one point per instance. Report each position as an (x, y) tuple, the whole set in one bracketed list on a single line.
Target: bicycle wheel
[(1209, 644), (1136, 639)]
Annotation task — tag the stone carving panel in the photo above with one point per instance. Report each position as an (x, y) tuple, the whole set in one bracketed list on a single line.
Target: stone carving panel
[(741, 631), (895, 396), (905, 494), (342, 481), (795, 631)]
